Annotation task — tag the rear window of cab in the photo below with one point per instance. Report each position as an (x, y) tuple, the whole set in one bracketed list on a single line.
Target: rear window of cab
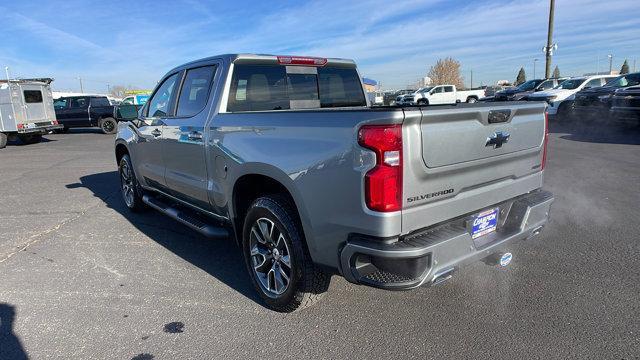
[(273, 87)]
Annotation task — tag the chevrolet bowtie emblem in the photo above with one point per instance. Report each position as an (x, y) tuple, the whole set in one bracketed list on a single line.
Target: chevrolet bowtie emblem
[(497, 139)]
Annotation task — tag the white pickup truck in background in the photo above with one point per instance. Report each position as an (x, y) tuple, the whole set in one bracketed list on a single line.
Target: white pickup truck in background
[(440, 94)]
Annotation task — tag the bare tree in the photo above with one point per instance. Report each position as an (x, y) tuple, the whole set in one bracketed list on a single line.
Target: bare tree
[(522, 77), (625, 67), (446, 72)]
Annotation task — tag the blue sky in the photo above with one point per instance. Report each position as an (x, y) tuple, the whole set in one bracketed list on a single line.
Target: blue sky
[(395, 42)]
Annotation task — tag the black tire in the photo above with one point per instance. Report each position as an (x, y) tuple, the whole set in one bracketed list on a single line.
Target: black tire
[(306, 283), (129, 187), (3, 140), (565, 111), (471, 100), (28, 139), (64, 130), (423, 102), (108, 125)]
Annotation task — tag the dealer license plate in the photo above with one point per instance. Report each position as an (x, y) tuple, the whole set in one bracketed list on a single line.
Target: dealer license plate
[(485, 223)]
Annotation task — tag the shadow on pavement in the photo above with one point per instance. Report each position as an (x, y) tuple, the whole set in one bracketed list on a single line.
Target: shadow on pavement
[(10, 346), (219, 258), (596, 131)]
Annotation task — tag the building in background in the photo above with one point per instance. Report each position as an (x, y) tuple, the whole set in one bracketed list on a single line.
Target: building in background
[(370, 85)]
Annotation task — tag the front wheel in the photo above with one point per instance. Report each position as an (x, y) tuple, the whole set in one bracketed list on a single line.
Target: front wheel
[(30, 138), (423, 102), (471, 100), (277, 259), (129, 186), (108, 125)]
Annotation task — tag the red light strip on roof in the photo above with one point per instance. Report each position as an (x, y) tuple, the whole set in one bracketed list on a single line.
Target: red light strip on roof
[(301, 60)]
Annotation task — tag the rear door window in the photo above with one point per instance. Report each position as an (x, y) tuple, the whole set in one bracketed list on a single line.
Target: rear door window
[(270, 87), (448, 89), (32, 96), (78, 103), (195, 91), (100, 101)]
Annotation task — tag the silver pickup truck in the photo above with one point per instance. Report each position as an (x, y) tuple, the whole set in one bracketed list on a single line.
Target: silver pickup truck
[(284, 155)]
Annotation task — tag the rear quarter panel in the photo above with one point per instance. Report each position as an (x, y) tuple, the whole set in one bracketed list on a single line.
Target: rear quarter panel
[(315, 155)]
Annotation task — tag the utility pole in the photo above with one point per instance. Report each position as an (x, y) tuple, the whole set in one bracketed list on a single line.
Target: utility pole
[(550, 45), (610, 63), (6, 71), (108, 89), (471, 79), (81, 89)]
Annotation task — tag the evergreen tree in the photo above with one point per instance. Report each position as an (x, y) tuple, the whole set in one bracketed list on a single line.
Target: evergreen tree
[(625, 67), (522, 77)]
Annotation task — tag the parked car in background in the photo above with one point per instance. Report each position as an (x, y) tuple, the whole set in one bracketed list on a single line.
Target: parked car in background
[(86, 111), (376, 98), (391, 97), (560, 98), (441, 94), (625, 105), (139, 99), (251, 147), (492, 90), (595, 103), (523, 90), (26, 110)]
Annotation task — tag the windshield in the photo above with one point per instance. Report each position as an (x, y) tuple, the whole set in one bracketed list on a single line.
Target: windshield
[(528, 85), (570, 84), (625, 80), (424, 90)]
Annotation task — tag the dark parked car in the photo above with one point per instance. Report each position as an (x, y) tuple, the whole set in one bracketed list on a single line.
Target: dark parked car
[(390, 97), (86, 111), (596, 102), (526, 88), (625, 104)]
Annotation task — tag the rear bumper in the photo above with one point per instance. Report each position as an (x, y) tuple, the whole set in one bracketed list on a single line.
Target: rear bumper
[(40, 129), (428, 255)]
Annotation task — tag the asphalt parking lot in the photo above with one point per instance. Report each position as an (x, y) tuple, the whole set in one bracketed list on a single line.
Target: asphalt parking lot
[(80, 277)]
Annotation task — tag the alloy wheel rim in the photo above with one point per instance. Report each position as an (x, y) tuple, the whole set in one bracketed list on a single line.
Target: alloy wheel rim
[(127, 184), (270, 257), (107, 126)]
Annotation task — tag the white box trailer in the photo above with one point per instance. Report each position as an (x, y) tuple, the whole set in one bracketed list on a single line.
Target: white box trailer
[(26, 110)]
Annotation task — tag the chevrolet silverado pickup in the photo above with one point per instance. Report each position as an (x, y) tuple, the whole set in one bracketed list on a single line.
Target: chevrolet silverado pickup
[(284, 155), (441, 94)]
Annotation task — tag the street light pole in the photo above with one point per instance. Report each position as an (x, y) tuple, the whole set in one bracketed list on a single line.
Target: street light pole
[(610, 62), (534, 67), (81, 89), (547, 72)]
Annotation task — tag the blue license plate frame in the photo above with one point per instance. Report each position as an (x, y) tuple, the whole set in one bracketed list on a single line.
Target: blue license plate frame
[(486, 222)]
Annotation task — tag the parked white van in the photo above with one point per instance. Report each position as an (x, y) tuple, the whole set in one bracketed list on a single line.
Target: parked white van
[(26, 110)]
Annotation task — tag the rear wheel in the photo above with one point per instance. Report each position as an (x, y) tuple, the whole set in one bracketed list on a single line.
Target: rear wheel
[(471, 100), (129, 186), (423, 102), (277, 259), (30, 138), (108, 125), (3, 140)]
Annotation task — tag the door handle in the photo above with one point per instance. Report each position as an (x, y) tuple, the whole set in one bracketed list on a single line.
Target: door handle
[(195, 136), (156, 133)]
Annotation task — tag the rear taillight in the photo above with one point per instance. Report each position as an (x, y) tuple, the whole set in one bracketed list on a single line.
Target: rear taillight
[(383, 183), (546, 140), (20, 126)]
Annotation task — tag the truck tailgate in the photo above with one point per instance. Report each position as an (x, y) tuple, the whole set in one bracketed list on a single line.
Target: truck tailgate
[(453, 167)]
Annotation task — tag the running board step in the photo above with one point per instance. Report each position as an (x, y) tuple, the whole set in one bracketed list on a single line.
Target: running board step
[(185, 218)]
